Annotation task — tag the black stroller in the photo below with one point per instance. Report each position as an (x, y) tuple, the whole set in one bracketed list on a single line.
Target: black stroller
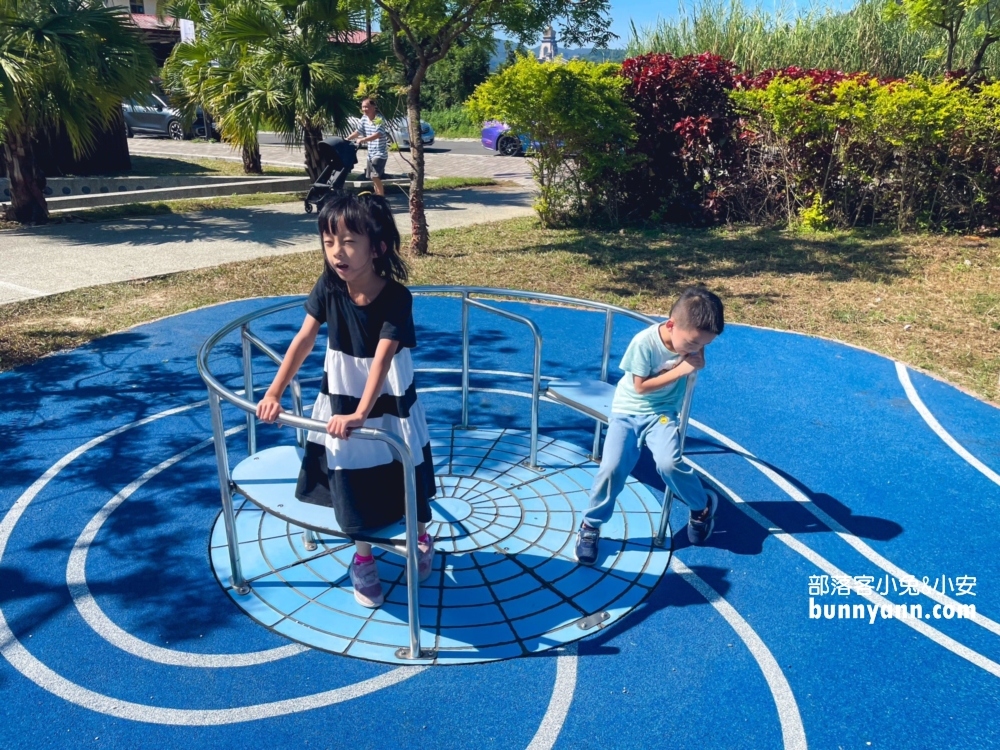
[(339, 157)]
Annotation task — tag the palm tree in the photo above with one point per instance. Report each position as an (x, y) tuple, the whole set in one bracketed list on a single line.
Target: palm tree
[(219, 77), (63, 64), (277, 64)]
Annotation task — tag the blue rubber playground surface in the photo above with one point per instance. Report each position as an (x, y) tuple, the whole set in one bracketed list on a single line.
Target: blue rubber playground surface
[(851, 486)]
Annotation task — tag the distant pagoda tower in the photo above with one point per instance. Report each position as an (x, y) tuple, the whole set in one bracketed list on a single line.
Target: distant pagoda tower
[(549, 49)]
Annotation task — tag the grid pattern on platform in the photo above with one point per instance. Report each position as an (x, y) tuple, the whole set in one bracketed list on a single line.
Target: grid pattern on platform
[(505, 582)]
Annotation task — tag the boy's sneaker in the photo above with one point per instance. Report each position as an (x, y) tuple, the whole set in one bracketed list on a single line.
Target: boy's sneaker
[(701, 524), (587, 539), (367, 586)]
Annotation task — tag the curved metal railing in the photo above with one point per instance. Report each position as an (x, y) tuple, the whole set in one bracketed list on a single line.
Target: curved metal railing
[(218, 393)]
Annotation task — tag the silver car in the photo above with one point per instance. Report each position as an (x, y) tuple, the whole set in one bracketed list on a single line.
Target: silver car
[(150, 115)]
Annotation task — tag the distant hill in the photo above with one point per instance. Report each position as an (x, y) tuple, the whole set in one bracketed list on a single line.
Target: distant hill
[(591, 53)]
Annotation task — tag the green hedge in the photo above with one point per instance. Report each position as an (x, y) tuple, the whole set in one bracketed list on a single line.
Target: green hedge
[(453, 122), (914, 153)]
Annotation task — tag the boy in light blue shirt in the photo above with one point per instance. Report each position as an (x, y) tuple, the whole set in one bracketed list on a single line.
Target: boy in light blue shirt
[(645, 410)]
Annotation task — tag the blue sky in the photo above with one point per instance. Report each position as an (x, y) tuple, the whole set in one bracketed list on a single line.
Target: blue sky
[(643, 12)]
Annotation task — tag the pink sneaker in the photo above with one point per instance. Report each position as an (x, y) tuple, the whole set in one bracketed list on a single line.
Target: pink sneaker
[(367, 586), (425, 558)]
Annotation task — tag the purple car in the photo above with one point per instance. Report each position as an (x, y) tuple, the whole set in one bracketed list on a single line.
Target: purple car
[(497, 137)]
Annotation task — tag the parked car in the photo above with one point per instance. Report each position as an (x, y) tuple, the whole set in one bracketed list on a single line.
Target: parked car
[(151, 115), (399, 131), (496, 136)]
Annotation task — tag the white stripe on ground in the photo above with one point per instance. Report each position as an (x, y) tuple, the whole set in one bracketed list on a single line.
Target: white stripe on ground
[(20, 506), (793, 734), (562, 696), (826, 566), (45, 678), (918, 404), (25, 662), (90, 610), (861, 547)]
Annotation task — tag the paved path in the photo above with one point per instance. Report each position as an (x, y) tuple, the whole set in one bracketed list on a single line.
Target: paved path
[(38, 261), (439, 162)]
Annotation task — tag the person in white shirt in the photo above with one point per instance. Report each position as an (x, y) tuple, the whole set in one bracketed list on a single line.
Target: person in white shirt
[(372, 131)]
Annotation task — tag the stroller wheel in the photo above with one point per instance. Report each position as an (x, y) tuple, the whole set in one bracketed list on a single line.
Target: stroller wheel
[(309, 207)]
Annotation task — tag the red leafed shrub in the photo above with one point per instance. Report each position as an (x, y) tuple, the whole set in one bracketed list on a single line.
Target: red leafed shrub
[(688, 134)]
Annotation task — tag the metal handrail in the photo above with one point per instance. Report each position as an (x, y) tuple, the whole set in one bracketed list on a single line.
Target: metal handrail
[(295, 385), (217, 393), (609, 310), (536, 374)]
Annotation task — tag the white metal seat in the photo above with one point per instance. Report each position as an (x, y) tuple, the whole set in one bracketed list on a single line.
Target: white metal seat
[(268, 478)]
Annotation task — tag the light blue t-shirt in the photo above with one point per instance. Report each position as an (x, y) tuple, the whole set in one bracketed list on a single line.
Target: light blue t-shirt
[(647, 355)]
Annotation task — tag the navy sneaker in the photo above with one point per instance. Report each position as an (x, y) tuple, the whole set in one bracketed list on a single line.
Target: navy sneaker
[(701, 524), (587, 539)]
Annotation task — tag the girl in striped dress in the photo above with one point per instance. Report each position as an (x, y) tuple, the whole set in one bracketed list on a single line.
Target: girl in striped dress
[(367, 381)]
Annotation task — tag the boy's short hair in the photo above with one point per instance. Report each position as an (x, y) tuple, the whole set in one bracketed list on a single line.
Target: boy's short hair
[(700, 309)]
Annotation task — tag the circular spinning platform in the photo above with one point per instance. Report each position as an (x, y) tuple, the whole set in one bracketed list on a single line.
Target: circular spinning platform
[(505, 582)]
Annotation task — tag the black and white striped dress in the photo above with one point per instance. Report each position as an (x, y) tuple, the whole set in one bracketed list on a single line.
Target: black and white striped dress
[(360, 479)]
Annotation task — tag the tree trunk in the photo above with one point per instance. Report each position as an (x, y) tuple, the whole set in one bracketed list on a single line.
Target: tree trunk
[(977, 63), (419, 238), (27, 183), (251, 159), (312, 136)]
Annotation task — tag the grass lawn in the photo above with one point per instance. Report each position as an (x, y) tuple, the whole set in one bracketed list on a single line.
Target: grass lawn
[(931, 301)]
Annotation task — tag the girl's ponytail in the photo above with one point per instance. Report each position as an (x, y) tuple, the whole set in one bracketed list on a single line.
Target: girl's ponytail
[(388, 263)]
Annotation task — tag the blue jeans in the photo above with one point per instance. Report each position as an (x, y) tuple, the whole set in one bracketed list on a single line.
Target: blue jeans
[(626, 435)]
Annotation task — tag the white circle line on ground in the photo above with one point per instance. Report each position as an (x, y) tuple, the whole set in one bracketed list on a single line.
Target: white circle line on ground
[(25, 663), (44, 677), (792, 732), (825, 565), (100, 623), (941, 432), (562, 696), (861, 547)]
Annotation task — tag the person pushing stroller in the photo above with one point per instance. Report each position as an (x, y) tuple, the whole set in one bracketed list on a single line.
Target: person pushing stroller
[(372, 131)]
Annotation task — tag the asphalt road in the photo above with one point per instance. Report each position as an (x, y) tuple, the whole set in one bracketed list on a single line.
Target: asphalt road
[(441, 146)]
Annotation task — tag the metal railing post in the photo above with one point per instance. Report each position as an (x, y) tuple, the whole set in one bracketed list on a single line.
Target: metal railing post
[(412, 565), (685, 414), (225, 487), (248, 387), (682, 425), (300, 435), (661, 533), (609, 322), (536, 372), (309, 540), (465, 360)]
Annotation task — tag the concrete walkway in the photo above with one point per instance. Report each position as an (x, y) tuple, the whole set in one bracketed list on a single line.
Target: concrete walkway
[(45, 260), (438, 162)]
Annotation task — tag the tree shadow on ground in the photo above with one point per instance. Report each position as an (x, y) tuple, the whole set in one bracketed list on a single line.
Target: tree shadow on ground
[(657, 262)]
